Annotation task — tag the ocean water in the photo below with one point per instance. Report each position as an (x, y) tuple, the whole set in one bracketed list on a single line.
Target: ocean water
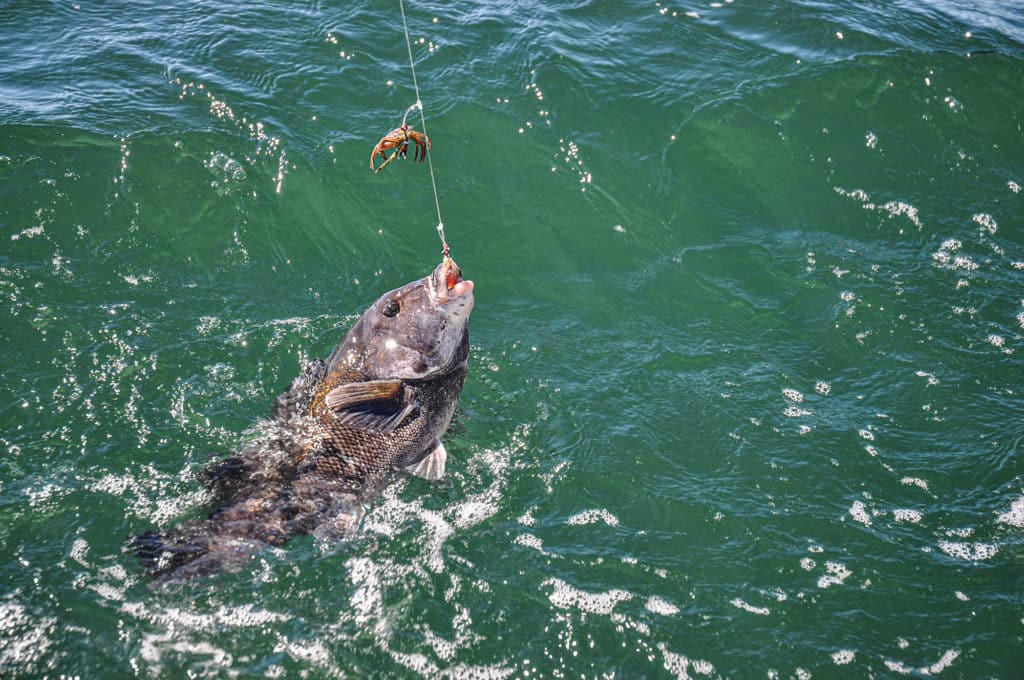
[(746, 395)]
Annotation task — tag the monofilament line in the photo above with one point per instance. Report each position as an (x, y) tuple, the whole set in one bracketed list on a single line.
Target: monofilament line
[(423, 126)]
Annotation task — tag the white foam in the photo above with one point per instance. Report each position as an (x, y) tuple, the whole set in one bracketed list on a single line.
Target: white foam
[(30, 232), (793, 395), (914, 481), (367, 602), (153, 644), (843, 657), (80, 551), (741, 604), (866, 434), (565, 596), (471, 512), (897, 208), (905, 515), (593, 516), (964, 262), (807, 564), (530, 541), (24, 638), (837, 573), (898, 667), (973, 552), (657, 605), (1015, 515), (944, 662), (822, 387), (986, 222), (860, 514), (855, 194), (945, 252), (680, 666)]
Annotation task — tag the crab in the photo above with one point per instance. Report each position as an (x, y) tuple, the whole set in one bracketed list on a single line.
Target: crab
[(398, 139)]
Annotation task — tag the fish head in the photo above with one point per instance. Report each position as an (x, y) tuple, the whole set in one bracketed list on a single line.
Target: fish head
[(416, 331)]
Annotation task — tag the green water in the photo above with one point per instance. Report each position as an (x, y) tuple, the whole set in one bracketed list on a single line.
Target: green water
[(745, 396)]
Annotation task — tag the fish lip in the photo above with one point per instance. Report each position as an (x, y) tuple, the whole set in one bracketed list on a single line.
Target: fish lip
[(447, 283)]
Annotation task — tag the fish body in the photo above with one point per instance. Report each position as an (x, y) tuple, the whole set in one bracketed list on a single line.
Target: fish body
[(379, 403)]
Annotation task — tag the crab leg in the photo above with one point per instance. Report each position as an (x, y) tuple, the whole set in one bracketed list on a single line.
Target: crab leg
[(387, 160)]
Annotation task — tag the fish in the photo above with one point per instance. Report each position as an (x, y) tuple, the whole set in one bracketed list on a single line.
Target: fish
[(347, 424)]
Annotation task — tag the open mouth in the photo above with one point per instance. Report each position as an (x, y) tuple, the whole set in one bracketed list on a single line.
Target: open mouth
[(454, 283)]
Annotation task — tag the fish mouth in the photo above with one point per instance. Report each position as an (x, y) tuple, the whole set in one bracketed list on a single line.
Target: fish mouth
[(449, 283)]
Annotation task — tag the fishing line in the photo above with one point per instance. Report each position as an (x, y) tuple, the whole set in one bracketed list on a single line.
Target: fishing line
[(423, 126)]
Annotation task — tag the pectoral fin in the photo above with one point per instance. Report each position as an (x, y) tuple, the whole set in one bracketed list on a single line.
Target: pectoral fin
[(384, 417), (356, 394), (370, 405), (431, 467)]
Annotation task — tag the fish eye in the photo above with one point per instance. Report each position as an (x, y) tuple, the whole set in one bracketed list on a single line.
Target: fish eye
[(391, 309)]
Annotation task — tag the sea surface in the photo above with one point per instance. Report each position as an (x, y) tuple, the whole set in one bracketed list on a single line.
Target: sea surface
[(746, 395)]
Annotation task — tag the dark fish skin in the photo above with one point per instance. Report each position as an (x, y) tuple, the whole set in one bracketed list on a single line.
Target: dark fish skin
[(378, 404)]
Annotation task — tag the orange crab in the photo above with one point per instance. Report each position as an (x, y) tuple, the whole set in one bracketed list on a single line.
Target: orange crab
[(399, 139)]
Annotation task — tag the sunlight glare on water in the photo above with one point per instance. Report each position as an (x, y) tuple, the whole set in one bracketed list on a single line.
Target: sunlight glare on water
[(745, 384)]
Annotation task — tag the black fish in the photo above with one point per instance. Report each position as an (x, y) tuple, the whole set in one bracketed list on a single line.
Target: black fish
[(378, 404)]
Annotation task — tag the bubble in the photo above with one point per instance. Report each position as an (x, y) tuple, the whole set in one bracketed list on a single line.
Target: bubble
[(680, 666), (527, 518), (836, 574), (843, 657), (24, 638), (986, 222), (592, 516), (972, 552), (657, 605), (741, 604), (904, 515), (530, 541), (860, 514), (944, 662), (565, 596), (1015, 515)]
